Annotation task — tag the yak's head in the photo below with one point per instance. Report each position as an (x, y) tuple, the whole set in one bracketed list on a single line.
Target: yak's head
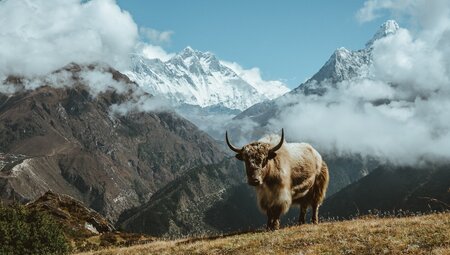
[(256, 155)]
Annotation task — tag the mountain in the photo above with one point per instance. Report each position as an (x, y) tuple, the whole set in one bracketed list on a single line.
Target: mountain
[(387, 188), (342, 65), (65, 138), (198, 78)]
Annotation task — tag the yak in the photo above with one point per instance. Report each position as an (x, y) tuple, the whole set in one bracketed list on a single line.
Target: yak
[(284, 174)]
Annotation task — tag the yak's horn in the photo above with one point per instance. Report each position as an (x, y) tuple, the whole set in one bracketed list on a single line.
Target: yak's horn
[(232, 147), (278, 146)]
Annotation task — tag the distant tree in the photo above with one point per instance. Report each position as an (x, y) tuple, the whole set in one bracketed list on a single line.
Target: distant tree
[(25, 231)]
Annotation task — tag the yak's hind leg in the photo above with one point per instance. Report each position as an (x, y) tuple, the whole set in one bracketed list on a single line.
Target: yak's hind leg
[(319, 190), (315, 214), (315, 196), (302, 217)]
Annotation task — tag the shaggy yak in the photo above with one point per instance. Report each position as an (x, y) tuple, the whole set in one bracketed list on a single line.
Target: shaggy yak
[(284, 174)]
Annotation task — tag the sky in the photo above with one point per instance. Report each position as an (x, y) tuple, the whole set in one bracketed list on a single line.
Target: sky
[(287, 41)]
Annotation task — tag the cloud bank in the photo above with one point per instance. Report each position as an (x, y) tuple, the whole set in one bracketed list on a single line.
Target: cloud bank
[(150, 51), (401, 110), (253, 77), (156, 36), (37, 37)]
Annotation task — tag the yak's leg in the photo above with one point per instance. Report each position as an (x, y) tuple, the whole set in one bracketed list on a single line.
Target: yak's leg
[(273, 218), (315, 214), (302, 217)]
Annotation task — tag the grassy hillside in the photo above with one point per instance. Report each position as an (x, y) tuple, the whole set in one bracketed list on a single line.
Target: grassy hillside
[(428, 234)]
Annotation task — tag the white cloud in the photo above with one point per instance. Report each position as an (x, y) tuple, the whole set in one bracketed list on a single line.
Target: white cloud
[(37, 37), (156, 36), (141, 102), (100, 81), (368, 12), (153, 51), (427, 14), (416, 65), (253, 77)]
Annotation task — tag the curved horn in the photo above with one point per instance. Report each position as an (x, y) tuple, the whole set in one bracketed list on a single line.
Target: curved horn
[(278, 146), (232, 147)]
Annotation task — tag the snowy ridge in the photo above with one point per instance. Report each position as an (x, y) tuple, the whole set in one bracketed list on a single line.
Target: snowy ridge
[(345, 64), (387, 28), (199, 78)]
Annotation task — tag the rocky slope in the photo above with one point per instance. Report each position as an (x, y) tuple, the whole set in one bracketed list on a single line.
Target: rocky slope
[(64, 138), (186, 205), (72, 214), (84, 228)]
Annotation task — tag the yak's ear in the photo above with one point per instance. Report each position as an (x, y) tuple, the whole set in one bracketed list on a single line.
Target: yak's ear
[(239, 156), (272, 155)]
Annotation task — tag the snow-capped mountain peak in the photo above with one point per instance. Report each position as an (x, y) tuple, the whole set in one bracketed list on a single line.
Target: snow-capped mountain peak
[(199, 78), (387, 28), (345, 64)]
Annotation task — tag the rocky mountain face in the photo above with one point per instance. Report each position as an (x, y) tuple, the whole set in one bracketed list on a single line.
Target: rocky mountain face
[(188, 205), (199, 79), (63, 138)]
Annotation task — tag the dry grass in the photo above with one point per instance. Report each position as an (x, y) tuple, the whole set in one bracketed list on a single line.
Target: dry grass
[(428, 234)]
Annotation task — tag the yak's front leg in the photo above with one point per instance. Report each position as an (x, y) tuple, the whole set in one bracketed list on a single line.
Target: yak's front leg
[(273, 218)]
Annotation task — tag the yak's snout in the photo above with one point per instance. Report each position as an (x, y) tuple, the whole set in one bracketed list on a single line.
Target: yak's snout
[(254, 181)]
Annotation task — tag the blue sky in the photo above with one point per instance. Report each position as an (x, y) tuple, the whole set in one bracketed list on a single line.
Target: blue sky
[(288, 40)]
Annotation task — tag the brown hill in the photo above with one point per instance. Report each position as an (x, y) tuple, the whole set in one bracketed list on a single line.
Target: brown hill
[(84, 228), (62, 138), (71, 213)]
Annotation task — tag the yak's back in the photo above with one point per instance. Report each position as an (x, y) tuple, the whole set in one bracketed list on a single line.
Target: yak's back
[(302, 154), (272, 139)]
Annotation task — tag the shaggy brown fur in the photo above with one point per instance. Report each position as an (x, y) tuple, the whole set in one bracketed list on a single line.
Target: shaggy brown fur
[(295, 173), (314, 197)]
